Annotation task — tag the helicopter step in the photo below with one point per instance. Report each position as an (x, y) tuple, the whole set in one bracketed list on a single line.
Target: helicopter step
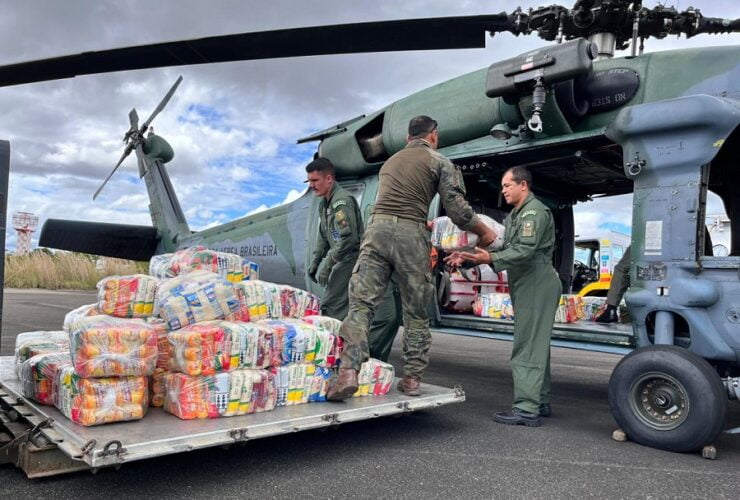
[(75, 447)]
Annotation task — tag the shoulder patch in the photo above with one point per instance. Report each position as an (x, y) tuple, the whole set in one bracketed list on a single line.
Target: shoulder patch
[(528, 229), (338, 203), (529, 212)]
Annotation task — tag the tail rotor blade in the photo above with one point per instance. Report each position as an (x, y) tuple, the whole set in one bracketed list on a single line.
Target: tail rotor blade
[(161, 105), (126, 152)]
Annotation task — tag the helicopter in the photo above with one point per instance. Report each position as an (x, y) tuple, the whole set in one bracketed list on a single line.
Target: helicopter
[(588, 124)]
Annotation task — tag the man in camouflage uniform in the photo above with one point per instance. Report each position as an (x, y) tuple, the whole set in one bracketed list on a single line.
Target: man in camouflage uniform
[(535, 292), (397, 241), (338, 242), (619, 285)]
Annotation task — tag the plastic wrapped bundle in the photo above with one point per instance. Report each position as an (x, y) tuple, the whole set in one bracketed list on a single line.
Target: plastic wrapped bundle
[(332, 325), (164, 348), (297, 303), (375, 378), (592, 307), (200, 349), (224, 394), (30, 344), (76, 314), (320, 380), (39, 376), (320, 343), (127, 296), (94, 401), (195, 297), (157, 387), (293, 383), (251, 295), (104, 346), (447, 236), (159, 266), (567, 311), (494, 305), (199, 258), (252, 345)]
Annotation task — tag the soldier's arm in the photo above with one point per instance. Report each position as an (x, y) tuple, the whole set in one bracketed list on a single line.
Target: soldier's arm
[(347, 226), (532, 230), (451, 191), (322, 246)]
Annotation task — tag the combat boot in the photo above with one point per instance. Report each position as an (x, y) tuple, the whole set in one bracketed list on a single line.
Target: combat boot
[(608, 316), (545, 410), (517, 417), (344, 386), (410, 385)]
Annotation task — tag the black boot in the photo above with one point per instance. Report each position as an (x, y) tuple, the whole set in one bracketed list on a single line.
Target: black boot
[(608, 316), (517, 417), (545, 410)]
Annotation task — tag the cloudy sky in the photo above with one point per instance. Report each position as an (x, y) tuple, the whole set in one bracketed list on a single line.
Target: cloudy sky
[(233, 126)]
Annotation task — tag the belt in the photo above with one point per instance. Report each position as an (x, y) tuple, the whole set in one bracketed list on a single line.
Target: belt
[(396, 220)]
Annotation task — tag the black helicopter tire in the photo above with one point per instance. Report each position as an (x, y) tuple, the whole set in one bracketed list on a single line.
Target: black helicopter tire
[(668, 398)]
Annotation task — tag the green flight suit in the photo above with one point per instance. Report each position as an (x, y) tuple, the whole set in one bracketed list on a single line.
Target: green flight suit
[(535, 292), (337, 245)]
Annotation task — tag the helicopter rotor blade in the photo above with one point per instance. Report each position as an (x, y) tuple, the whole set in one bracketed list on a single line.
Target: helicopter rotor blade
[(161, 104), (126, 152), (382, 36)]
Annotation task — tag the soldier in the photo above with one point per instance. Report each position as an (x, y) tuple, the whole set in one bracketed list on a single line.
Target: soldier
[(535, 292), (338, 243), (397, 242), (337, 247), (620, 283)]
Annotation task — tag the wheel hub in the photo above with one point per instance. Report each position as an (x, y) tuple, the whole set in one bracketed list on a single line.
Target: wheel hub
[(659, 400)]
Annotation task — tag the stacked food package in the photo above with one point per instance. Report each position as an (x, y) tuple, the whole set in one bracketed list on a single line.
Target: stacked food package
[(106, 346), (194, 297), (592, 307), (494, 305), (30, 344), (39, 376), (95, 401), (189, 340), (264, 300), (199, 258), (448, 237), (570, 309), (127, 296)]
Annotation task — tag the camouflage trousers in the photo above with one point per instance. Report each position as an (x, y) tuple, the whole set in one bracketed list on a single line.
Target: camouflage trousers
[(391, 246), (620, 280)]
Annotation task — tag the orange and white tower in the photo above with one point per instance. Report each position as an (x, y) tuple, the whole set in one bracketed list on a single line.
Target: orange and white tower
[(25, 224)]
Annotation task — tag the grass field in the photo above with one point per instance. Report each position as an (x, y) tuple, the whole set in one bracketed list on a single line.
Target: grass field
[(64, 270)]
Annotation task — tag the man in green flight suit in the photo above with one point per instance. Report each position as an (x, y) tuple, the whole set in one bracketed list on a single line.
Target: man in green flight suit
[(397, 243), (338, 243), (337, 247), (535, 292)]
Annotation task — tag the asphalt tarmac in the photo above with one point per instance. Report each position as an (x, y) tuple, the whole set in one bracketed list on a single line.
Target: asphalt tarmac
[(455, 451)]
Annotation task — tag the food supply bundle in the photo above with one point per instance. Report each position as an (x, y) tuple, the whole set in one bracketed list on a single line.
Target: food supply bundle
[(570, 309), (300, 341), (592, 307), (448, 237), (225, 394), (39, 376), (95, 401), (71, 318), (263, 300), (494, 305), (30, 344), (194, 297), (299, 383), (105, 346), (230, 266), (375, 378), (127, 296)]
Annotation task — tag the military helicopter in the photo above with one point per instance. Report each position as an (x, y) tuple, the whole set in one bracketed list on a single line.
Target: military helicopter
[(586, 123)]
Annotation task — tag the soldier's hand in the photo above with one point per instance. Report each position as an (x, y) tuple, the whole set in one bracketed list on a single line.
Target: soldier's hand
[(454, 259), (322, 276), (477, 257), (312, 271)]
